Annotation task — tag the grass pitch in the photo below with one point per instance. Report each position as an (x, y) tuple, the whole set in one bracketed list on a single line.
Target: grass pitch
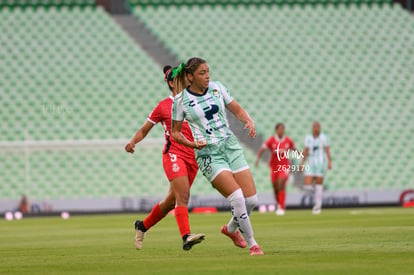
[(346, 241)]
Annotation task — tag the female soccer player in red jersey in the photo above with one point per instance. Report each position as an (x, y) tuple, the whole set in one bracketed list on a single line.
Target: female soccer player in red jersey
[(180, 168), (279, 146)]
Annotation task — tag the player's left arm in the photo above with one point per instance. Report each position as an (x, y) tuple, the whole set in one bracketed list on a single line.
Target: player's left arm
[(328, 155), (243, 116)]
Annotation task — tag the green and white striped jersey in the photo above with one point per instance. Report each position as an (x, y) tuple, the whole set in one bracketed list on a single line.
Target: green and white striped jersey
[(206, 113), (316, 148)]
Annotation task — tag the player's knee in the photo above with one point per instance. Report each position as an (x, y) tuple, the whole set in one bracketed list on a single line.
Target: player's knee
[(237, 202), (236, 196), (182, 199)]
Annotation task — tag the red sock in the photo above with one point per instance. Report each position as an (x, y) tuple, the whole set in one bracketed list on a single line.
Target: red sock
[(155, 216), (282, 198), (181, 216)]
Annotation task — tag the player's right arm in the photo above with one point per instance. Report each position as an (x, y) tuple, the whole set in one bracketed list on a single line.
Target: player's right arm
[(305, 151), (155, 117), (260, 153), (139, 136), (266, 145), (305, 155)]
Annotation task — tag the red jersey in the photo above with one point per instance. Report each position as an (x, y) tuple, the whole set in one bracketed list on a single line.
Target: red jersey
[(162, 113), (279, 149)]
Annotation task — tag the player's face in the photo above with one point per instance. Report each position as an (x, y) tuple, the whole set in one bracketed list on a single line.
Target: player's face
[(316, 129), (280, 131), (200, 77)]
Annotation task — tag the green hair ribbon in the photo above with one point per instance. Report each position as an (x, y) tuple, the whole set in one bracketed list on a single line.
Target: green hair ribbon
[(175, 71)]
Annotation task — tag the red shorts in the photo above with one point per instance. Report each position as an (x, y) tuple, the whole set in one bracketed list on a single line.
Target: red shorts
[(279, 172), (176, 166)]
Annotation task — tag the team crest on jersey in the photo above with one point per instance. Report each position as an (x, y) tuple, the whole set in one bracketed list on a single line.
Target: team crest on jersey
[(216, 92)]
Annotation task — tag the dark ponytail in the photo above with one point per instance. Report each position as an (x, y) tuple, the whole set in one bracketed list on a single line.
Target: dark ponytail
[(167, 75), (166, 68)]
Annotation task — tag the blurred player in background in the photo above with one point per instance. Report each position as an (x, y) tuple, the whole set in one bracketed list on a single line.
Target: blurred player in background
[(220, 157), (24, 205), (317, 157), (180, 168), (279, 146)]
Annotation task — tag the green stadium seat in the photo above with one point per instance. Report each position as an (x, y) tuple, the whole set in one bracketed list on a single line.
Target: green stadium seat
[(291, 63)]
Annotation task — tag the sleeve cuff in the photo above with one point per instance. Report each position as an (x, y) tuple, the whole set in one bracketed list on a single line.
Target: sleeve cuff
[(151, 121)]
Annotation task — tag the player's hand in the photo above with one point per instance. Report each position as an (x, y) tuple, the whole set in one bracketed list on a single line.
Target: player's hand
[(130, 147), (252, 129), (200, 144), (329, 165)]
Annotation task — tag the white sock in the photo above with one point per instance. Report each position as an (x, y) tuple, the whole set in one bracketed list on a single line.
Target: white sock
[(308, 189), (241, 217), (318, 195), (250, 205)]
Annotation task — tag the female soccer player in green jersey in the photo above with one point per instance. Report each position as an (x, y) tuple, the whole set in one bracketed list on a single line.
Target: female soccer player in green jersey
[(219, 155)]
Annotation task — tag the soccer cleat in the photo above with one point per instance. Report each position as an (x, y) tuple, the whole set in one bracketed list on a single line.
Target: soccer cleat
[(139, 236), (236, 237), (316, 210), (280, 212), (191, 240), (256, 250)]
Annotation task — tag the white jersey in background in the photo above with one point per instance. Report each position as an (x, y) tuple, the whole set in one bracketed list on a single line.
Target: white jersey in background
[(316, 155)]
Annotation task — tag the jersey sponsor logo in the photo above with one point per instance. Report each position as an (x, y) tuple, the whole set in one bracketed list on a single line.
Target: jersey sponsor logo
[(191, 103), (210, 130), (315, 148), (209, 111)]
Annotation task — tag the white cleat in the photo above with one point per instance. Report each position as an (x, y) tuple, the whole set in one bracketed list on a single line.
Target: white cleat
[(139, 237), (316, 210), (280, 212)]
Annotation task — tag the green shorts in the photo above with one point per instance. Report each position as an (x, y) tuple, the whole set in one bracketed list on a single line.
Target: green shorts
[(315, 170), (227, 155)]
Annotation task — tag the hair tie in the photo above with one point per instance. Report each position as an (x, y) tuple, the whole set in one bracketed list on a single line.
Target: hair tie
[(177, 70), (166, 74)]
